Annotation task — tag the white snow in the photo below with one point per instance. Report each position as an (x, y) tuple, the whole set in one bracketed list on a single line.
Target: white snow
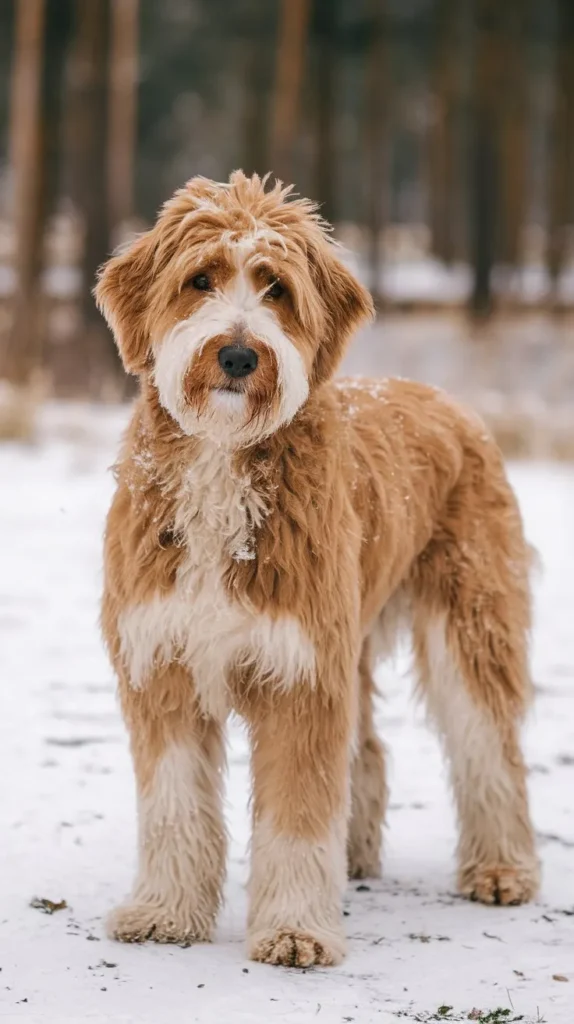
[(68, 811)]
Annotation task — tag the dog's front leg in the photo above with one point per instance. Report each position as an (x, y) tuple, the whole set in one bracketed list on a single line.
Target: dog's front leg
[(178, 759), (301, 742)]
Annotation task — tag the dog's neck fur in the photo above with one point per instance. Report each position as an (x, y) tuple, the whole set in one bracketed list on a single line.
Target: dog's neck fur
[(209, 486), (258, 501), (220, 503)]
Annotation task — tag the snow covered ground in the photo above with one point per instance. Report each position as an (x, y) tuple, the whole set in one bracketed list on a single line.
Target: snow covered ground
[(67, 802)]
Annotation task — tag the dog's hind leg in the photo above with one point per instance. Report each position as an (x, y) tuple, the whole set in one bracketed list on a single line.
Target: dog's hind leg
[(368, 784), (471, 619)]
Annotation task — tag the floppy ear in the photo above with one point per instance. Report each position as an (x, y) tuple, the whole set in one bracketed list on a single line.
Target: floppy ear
[(121, 294), (347, 304)]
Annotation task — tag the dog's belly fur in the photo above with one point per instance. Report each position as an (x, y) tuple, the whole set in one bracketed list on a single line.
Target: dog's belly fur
[(196, 624)]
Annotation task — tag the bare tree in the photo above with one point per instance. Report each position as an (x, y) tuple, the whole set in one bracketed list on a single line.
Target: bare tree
[(254, 75), (561, 172), (324, 92), (23, 352), (122, 112), (293, 32), (513, 132), (86, 153), (442, 132), (485, 178), (376, 107)]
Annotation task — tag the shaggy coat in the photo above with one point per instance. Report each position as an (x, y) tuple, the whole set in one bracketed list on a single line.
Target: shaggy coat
[(270, 532)]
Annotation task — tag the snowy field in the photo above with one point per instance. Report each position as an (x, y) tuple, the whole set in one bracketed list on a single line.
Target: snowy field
[(68, 819)]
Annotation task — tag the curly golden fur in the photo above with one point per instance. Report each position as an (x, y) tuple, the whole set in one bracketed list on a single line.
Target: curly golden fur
[(268, 531)]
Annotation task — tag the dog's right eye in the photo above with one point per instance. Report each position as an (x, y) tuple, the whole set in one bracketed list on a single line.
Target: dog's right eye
[(201, 282)]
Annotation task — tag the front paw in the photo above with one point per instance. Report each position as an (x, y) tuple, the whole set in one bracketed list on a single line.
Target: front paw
[(504, 884), (138, 922), (295, 947)]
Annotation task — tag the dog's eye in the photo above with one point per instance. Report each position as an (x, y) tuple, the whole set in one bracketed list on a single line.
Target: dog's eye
[(275, 290), (201, 282)]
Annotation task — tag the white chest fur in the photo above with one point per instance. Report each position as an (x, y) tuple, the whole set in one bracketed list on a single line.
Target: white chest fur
[(196, 624)]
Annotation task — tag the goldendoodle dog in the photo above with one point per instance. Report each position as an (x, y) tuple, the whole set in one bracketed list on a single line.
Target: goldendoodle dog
[(271, 528)]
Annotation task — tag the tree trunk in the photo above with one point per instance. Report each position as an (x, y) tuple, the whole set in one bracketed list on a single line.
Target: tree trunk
[(442, 133), (254, 74), (561, 171), (324, 186), (484, 193), (86, 144), (255, 120), (122, 116), (290, 66), (24, 345), (377, 103), (513, 135)]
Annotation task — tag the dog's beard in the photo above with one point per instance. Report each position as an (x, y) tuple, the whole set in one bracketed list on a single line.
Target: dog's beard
[(225, 415)]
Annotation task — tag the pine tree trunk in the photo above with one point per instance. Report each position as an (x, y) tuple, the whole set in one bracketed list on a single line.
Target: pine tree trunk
[(513, 134), (122, 113), (442, 134), (86, 156), (254, 73), (485, 183), (377, 104), (324, 190), (561, 180), (290, 68), (23, 351)]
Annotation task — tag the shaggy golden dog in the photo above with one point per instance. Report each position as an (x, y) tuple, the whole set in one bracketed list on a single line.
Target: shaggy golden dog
[(268, 525)]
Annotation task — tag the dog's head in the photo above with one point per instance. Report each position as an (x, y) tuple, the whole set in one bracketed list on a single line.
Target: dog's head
[(234, 306)]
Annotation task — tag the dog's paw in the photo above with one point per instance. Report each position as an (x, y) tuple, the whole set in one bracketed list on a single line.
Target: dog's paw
[(502, 884), (138, 922), (292, 947), (363, 862)]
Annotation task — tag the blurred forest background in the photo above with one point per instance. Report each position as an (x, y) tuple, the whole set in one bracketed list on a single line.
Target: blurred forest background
[(438, 135)]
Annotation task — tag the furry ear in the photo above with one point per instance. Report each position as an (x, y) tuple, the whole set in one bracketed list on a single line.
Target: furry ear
[(347, 304), (121, 294)]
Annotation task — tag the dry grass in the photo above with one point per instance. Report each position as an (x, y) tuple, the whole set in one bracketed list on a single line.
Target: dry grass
[(527, 428), (20, 406)]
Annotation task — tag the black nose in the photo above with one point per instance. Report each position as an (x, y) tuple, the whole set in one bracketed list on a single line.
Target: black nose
[(237, 361)]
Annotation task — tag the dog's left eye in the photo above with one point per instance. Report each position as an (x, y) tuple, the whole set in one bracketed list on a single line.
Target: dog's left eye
[(201, 282), (275, 290)]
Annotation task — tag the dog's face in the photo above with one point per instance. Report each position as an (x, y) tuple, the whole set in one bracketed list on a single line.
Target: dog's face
[(234, 306)]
